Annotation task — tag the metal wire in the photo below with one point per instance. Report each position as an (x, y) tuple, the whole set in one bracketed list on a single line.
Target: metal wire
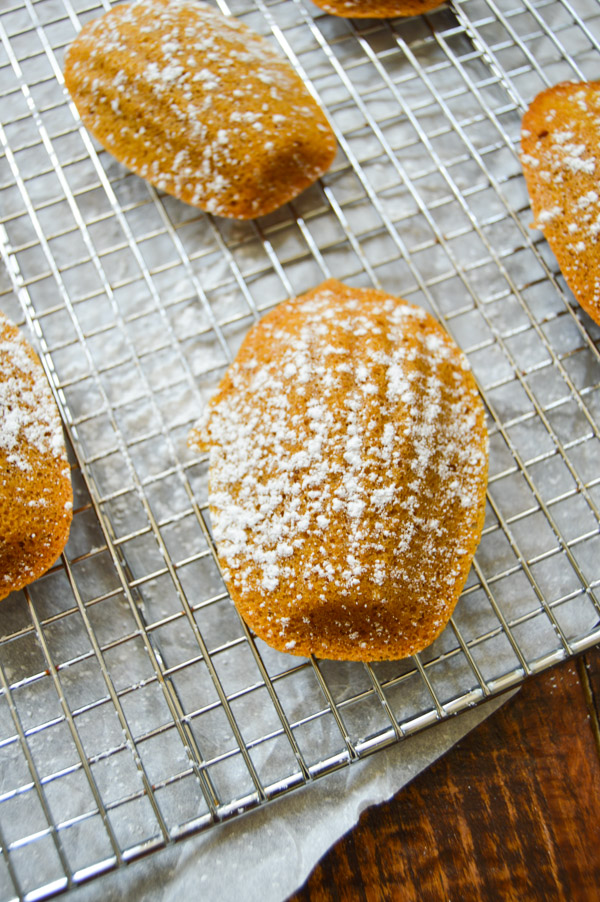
[(135, 707)]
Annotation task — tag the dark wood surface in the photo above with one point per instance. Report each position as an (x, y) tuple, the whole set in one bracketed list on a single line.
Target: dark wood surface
[(512, 812)]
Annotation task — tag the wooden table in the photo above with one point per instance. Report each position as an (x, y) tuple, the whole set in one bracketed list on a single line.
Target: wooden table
[(510, 813)]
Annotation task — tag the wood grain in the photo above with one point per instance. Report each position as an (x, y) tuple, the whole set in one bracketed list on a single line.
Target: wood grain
[(510, 813)]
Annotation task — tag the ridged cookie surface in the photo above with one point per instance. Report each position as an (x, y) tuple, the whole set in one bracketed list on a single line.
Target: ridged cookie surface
[(199, 105), (348, 468), (560, 141), (377, 9), (36, 499)]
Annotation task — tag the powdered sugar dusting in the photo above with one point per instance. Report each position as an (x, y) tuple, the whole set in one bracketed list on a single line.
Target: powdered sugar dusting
[(36, 498), (198, 104), (348, 427), (28, 414), (561, 144)]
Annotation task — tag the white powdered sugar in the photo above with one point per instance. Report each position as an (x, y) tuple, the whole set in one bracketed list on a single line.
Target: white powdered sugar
[(560, 140), (340, 432), (175, 124), (36, 499), (28, 414)]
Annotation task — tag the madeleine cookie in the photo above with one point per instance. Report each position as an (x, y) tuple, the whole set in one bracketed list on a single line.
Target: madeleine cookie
[(348, 469), (36, 499), (560, 141), (377, 9), (199, 105)]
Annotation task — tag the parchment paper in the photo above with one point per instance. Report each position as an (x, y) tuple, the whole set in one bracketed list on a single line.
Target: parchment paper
[(268, 854)]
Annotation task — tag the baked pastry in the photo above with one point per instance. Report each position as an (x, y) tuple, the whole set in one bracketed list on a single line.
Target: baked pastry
[(348, 469), (199, 105), (377, 9), (560, 141), (36, 499)]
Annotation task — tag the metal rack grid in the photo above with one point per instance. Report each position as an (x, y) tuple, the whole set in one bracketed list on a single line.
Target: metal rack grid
[(135, 707)]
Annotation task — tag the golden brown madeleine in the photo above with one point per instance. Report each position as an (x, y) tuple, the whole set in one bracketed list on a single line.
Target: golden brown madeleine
[(199, 105), (560, 142), (348, 469), (377, 9), (36, 499)]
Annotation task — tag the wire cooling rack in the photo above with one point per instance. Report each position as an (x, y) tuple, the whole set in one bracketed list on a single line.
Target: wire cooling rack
[(135, 707)]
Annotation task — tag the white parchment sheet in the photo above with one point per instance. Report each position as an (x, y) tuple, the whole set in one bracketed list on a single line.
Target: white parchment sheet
[(268, 854)]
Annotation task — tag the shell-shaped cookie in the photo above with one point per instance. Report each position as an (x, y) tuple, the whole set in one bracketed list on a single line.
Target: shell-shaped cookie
[(377, 9), (348, 469), (560, 142), (199, 105), (36, 498)]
